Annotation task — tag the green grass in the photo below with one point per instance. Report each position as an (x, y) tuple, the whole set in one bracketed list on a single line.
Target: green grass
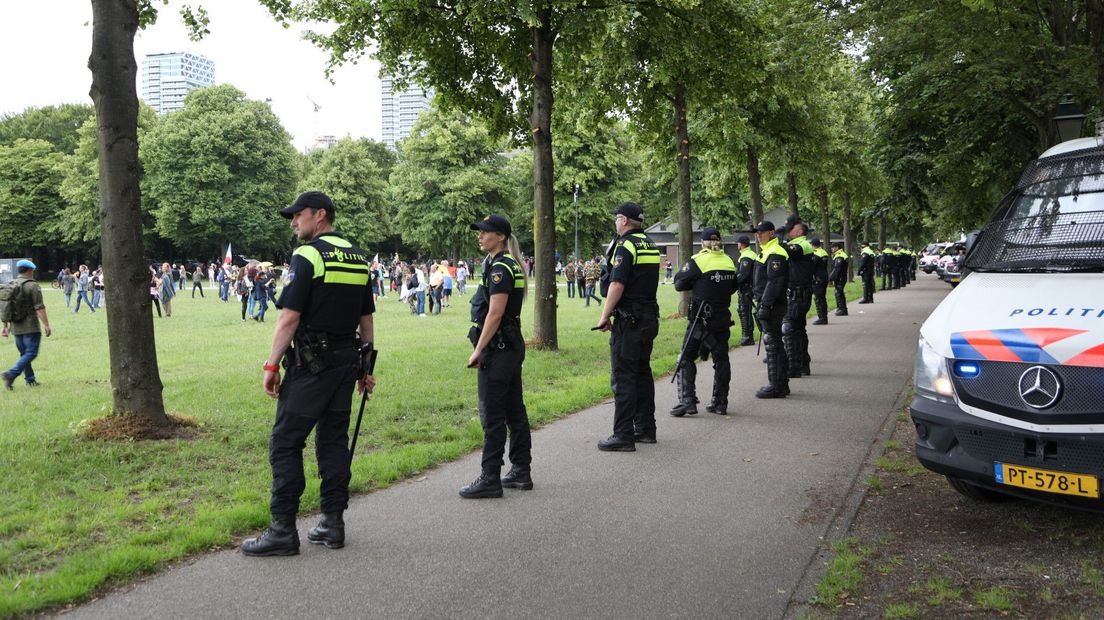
[(897, 611), (997, 598), (940, 590), (874, 483), (79, 515), (844, 574)]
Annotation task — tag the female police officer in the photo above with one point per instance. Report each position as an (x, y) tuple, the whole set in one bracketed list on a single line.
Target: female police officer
[(499, 353)]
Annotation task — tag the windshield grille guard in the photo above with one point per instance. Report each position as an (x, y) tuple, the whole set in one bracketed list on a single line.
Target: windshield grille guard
[(1040, 241)]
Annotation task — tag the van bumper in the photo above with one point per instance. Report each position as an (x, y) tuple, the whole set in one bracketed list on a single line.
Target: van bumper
[(951, 442)]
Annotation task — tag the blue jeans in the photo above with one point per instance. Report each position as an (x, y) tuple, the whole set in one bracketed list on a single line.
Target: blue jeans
[(262, 305), (96, 295), (252, 303), (68, 298), (420, 295), (88, 302), (224, 290), (27, 345)]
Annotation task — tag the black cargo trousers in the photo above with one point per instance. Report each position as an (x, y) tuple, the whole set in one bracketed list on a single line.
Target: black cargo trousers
[(502, 407), (713, 338), (321, 403), (631, 371)]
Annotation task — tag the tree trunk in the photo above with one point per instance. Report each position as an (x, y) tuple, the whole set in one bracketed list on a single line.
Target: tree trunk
[(882, 232), (866, 231), (848, 235), (825, 225), (791, 190), (135, 380), (755, 183), (1096, 28), (685, 217), (544, 206)]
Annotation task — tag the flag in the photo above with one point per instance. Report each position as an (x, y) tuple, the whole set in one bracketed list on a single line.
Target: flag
[(229, 257)]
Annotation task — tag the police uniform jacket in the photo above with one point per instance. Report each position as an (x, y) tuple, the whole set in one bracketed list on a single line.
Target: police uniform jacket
[(772, 275), (839, 266), (820, 265), (866, 261), (745, 269), (711, 275), (634, 262), (801, 262), (327, 284)]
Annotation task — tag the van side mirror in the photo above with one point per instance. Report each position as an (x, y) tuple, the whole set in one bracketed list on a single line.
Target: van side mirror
[(971, 238)]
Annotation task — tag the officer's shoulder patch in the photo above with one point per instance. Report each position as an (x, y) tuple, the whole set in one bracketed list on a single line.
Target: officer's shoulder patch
[(496, 277), (686, 267), (290, 277), (617, 260)]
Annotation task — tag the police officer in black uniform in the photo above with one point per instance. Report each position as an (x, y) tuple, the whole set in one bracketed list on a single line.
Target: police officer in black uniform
[(838, 276), (745, 276), (711, 276), (499, 353), (794, 333), (631, 314), (820, 281), (325, 320), (867, 260), (772, 274)]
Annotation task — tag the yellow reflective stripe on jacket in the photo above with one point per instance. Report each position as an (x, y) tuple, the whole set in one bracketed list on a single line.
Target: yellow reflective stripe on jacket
[(643, 256), (868, 251), (748, 253), (820, 252), (713, 260), (515, 270), (840, 254), (772, 247), (313, 256)]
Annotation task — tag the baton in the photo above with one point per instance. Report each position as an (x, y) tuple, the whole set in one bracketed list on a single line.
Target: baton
[(685, 341), (369, 369)]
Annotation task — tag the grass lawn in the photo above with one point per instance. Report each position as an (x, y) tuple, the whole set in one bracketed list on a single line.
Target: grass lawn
[(79, 515)]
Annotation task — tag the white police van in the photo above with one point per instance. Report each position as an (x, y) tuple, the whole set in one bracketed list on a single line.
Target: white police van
[(1010, 366)]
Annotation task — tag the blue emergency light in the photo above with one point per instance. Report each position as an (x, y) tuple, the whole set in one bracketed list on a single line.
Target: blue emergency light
[(967, 370)]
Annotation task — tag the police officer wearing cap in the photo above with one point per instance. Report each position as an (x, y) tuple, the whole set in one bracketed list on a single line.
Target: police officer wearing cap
[(794, 334), (631, 315), (325, 319), (820, 281), (711, 276), (772, 275), (499, 353), (745, 276), (838, 276), (867, 260)]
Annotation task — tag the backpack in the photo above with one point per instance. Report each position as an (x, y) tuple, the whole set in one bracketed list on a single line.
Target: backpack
[(14, 302)]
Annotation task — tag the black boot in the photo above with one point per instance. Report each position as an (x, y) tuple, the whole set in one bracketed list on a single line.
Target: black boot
[(330, 531), (518, 478), (820, 322), (841, 312), (616, 443), (747, 341), (682, 409), (717, 407), (486, 485), (778, 384), (281, 538)]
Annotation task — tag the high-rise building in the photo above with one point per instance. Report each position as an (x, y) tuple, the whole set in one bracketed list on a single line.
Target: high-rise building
[(167, 78), (401, 108)]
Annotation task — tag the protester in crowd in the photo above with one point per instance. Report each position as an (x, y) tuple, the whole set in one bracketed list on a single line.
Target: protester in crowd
[(197, 281), (222, 276), (67, 285), (168, 291), (25, 319), (211, 273), (260, 295), (155, 290), (182, 275), (446, 291), (97, 280), (420, 289), (84, 280), (242, 288), (462, 277)]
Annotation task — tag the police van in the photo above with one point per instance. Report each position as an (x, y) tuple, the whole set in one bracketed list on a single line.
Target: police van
[(1009, 369)]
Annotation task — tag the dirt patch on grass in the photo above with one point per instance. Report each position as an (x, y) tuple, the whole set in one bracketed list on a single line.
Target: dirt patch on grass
[(924, 551), (134, 427)]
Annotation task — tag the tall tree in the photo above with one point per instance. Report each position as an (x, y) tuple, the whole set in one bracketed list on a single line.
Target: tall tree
[(209, 165), (448, 176), (57, 125), (349, 173), (29, 179)]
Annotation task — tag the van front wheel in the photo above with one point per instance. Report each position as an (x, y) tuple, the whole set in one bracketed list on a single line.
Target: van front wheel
[(975, 492)]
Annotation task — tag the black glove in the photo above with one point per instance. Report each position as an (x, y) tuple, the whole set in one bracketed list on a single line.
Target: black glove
[(763, 313)]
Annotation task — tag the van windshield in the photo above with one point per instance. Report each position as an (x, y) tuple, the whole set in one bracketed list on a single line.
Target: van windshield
[(1053, 220)]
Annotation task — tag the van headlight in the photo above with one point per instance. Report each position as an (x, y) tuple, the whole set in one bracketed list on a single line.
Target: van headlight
[(930, 375)]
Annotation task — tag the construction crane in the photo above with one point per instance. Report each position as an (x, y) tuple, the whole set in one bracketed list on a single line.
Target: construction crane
[(317, 109)]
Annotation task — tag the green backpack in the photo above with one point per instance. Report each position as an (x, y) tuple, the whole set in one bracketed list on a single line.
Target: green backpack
[(14, 301)]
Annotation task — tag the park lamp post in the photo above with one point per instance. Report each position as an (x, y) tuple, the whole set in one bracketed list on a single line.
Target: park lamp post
[(576, 221), (1068, 119)]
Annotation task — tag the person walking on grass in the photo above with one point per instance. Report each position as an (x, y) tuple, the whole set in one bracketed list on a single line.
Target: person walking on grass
[(68, 283), (24, 317), (197, 281), (168, 288), (83, 282)]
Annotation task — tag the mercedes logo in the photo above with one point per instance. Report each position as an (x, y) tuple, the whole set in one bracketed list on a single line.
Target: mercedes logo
[(1039, 387)]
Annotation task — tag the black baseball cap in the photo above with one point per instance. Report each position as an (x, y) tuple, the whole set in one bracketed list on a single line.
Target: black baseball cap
[(494, 223), (744, 239), (764, 226), (815, 241), (792, 221), (630, 210), (309, 200), (710, 234), (836, 244)]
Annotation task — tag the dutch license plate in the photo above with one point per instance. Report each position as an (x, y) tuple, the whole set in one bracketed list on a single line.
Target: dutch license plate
[(1046, 480)]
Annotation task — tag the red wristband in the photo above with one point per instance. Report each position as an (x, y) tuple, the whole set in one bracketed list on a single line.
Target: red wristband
[(272, 367)]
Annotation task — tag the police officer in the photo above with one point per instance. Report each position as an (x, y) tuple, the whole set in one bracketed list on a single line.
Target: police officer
[(867, 259), (820, 281), (772, 275), (499, 353), (838, 276), (745, 276), (631, 314), (326, 317), (794, 334), (711, 276), (881, 265)]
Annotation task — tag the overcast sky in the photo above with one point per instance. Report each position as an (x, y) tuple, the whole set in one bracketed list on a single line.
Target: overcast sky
[(44, 47)]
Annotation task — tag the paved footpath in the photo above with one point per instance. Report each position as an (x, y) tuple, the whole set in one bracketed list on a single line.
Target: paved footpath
[(718, 520)]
